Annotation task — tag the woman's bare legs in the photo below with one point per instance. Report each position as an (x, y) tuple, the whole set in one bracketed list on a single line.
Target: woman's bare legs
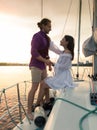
[(44, 90), (47, 98)]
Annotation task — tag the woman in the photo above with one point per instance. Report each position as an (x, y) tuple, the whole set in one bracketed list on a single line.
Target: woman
[(62, 77)]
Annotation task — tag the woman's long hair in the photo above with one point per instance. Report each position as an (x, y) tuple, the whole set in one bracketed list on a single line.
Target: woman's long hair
[(70, 45)]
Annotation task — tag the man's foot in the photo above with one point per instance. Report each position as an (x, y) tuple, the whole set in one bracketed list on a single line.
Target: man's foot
[(30, 116)]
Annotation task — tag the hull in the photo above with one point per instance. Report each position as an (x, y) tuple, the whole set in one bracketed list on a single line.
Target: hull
[(69, 110), (67, 116)]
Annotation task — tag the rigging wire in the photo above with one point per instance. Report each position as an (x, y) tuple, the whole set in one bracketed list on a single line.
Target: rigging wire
[(90, 13), (67, 17), (41, 9), (79, 28), (76, 23)]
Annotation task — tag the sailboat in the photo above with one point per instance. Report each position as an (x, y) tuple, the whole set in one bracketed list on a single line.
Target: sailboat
[(73, 108)]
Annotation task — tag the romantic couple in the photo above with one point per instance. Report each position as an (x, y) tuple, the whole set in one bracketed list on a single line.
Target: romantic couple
[(40, 46)]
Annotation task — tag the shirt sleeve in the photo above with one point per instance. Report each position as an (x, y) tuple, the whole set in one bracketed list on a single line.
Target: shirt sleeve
[(54, 48), (64, 62), (35, 46)]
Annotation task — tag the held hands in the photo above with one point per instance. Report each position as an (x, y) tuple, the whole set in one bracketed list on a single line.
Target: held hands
[(50, 66), (49, 63)]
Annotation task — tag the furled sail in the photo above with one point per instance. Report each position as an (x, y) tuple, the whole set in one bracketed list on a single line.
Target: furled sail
[(89, 47)]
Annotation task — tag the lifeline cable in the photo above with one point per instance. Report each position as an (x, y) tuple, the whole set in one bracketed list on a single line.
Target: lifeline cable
[(9, 111)]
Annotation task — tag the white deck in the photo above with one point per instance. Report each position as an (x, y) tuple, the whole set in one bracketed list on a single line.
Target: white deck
[(65, 116), (26, 125)]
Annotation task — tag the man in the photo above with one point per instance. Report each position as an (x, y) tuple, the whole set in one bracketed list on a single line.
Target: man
[(40, 46)]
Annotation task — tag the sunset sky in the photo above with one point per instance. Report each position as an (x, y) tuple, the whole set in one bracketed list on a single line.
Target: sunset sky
[(18, 23)]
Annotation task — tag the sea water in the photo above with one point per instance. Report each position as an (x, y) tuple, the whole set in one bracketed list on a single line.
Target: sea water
[(10, 75)]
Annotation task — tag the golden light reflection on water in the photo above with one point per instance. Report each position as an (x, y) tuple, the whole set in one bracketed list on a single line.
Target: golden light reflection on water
[(10, 75)]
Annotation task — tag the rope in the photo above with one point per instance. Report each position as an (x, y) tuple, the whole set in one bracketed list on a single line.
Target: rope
[(81, 107), (86, 115)]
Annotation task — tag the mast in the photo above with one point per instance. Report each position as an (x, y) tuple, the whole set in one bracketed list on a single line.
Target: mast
[(94, 27), (79, 28)]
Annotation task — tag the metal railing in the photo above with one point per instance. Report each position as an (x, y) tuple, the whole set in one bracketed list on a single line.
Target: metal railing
[(19, 105), (83, 75)]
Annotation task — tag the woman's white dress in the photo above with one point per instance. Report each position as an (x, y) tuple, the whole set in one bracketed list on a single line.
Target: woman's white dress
[(62, 77)]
